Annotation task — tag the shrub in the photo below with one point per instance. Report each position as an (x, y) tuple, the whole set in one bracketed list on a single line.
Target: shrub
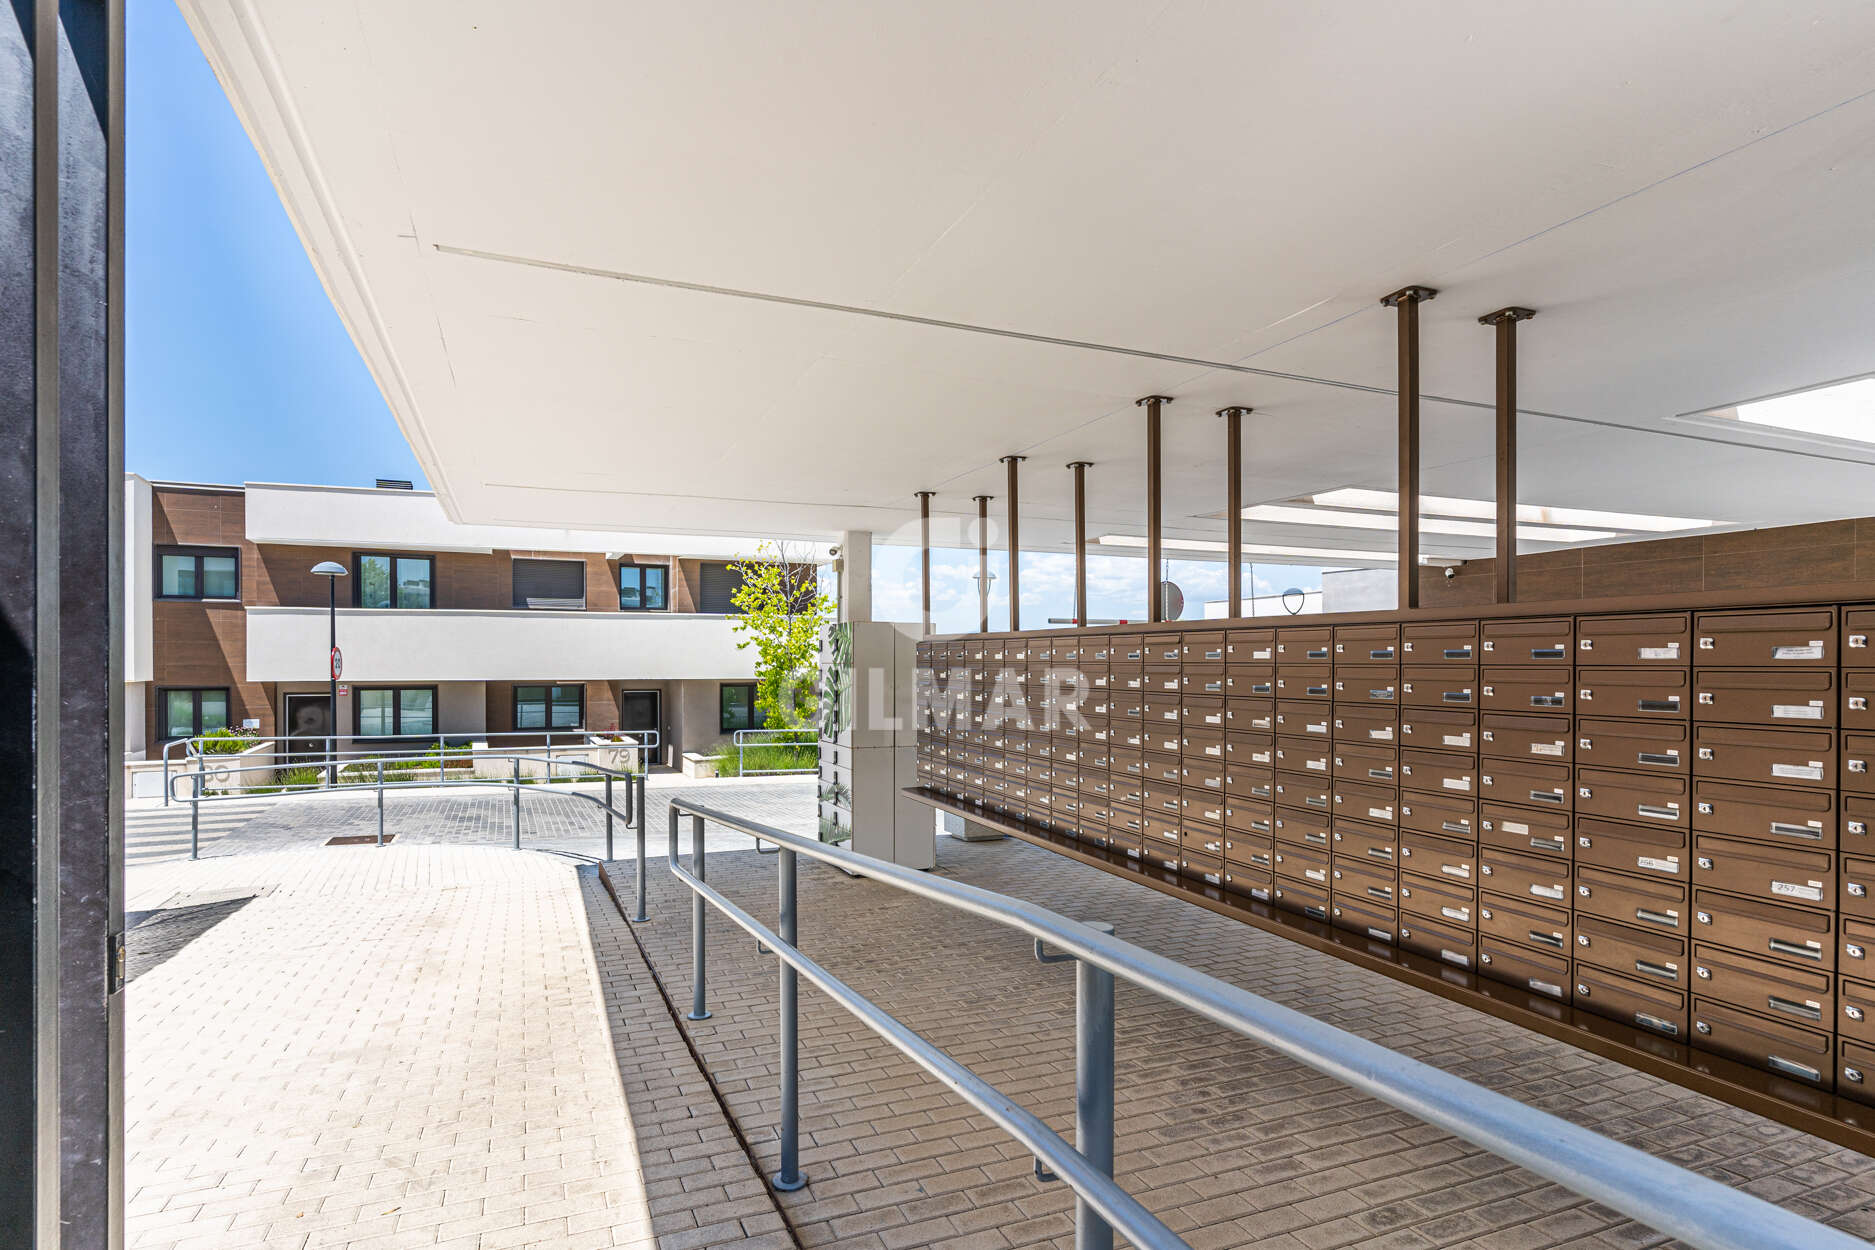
[(797, 753), (225, 741)]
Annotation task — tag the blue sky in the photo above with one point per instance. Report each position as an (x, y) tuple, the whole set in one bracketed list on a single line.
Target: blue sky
[(236, 367)]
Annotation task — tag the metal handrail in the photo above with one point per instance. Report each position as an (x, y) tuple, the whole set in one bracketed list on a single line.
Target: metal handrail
[(744, 738), (1700, 1212), (321, 750)]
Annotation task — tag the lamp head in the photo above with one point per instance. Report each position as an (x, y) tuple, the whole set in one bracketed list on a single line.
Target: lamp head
[(330, 568)]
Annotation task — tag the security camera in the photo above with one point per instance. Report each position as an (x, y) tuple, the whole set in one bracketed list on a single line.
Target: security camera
[(833, 551), (1450, 571)]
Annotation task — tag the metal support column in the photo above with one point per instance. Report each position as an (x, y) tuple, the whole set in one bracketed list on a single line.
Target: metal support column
[(608, 813), (380, 800), (699, 987), (1080, 468), (1155, 535), (1233, 504), (924, 547), (638, 825), (1015, 549), (1506, 319), (983, 562), (1093, 1083), (788, 1177), (1407, 301), (517, 804)]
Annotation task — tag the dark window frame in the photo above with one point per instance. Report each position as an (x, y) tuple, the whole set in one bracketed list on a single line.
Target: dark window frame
[(756, 720), (397, 712), (197, 551), (547, 688), (584, 583), (162, 709), (358, 577), (641, 569)]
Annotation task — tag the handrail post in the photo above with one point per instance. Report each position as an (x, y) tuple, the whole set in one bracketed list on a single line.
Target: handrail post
[(1093, 1089), (195, 819), (789, 1177), (380, 800), (608, 816), (517, 802), (698, 923), (638, 821)]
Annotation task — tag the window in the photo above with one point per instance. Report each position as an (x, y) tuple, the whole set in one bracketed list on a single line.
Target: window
[(549, 583), (641, 587), (717, 584), (736, 702), (388, 581), (191, 713), (549, 707), (391, 712), (198, 573)]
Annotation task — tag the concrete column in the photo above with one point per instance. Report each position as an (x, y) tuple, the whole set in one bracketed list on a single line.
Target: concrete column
[(855, 576)]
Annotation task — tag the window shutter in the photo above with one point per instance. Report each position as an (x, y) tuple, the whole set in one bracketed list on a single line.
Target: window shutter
[(716, 586), (549, 583)]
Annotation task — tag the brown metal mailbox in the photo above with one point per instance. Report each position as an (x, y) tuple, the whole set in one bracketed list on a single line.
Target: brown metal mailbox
[(1303, 718), (1363, 843), (1305, 755), (1305, 897), (1366, 683), (1440, 899), (1163, 712), (1369, 762), (1800, 757), (1250, 647), (1441, 940), (1198, 840), (1858, 631), (1359, 914), (1302, 829), (1542, 971), (1658, 851), (1434, 686), (1205, 744), (1362, 723), (1437, 772), (1250, 748), (1858, 811), (1167, 738), (1653, 693), (1430, 855), (1302, 863), (1529, 640), (1253, 852), (1534, 783), (1533, 876), (1164, 648), (1303, 643), (1359, 800), (1525, 829), (1126, 708), (1251, 818), (1202, 647), (1773, 874), (1855, 1075), (1761, 1042), (1249, 684), (1525, 922), (1525, 689), (1163, 680), (1645, 902), (1160, 832), (1201, 807), (1652, 638), (1660, 746), (1773, 813), (1129, 763), (1793, 935), (1858, 947), (1304, 681), (1127, 680), (1209, 868), (1258, 883), (1856, 1018), (1649, 1004), (1302, 790), (1203, 773), (1439, 813), (1196, 711), (1858, 879), (1439, 729), (1763, 985), (1632, 796), (1212, 681), (1525, 735), (1750, 697), (1367, 643), (1858, 763), (1439, 642), (1164, 769), (1374, 884), (1247, 781), (1639, 953), (1163, 801), (1772, 638)]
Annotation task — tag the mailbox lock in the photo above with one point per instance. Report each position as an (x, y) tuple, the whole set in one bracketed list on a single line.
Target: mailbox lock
[(1705, 697), (1705, 809), (1705, 861), (1852, 1074), (1857, 641), (1587, 644), (1858, 766), (1853, 950), (1706, 644), (1583, 890), (1705, 753), (1582, 939), (1582, 989), (1704, 974), (1486, 957), (1583, 791), (1857, 890), (1585, 694), (1858, 826), (1702, 1026), (1485, 912), (1704, 917), (1486, 870), (1583, 842), (1853, 1012)]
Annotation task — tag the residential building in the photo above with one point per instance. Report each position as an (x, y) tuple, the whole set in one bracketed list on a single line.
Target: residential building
[(443, 628)]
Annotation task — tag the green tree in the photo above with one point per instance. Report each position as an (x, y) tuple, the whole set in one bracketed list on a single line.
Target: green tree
[(782, 614)]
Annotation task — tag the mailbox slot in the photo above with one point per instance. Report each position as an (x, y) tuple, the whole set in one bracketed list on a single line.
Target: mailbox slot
[(1788, 935), (1793, 875), (1524, 829), (1433, 686), (1250, 647), (1773, 989), (1530, 641), (1521, 875), (1792, 638), (1372, 763), (1528, 783), (1358, 800), (1366, 723), (1367, 644), (1526, 923), (1437, 772), (1648, 1004), (1302, 829), (1439, 642), (1644, 799), (1790, 1050), (1653, 638), (1522, 736), (1439, 813), (1363, 843), (1643, 954), (1528, 688), (1354, 911), (1653, 903), (1766, 813), (1796, 757), (1448, 859), (1804, 699), (1440, 899), (1648, 693), (1544, 972), (1658, 747), (1439, 729), (1439, 939), (1366, 683)]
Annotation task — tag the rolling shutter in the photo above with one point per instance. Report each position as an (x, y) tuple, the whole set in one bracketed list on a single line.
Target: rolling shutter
[(549, 583), (716, 584)]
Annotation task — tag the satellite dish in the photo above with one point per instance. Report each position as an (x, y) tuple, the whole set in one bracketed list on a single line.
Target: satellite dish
[(1173, 600), (1295, 606)]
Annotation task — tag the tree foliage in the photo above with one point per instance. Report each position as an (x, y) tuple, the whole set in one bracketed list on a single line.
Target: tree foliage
[(782, 614)]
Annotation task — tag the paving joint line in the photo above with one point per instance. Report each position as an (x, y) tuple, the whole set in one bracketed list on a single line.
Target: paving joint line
[(696, 1057)]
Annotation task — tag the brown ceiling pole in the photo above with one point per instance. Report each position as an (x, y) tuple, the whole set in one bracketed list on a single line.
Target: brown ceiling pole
[(1407, 300), (1506, 319), (1080, 468), (1155, 537), (924, 544), (1015, 549), (983, 562), (1233, 502)]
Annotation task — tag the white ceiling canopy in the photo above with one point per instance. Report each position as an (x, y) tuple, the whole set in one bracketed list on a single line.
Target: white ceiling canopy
[(770, 269)]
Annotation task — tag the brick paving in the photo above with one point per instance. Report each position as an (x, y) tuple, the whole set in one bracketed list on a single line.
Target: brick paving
[(1230, 1144)]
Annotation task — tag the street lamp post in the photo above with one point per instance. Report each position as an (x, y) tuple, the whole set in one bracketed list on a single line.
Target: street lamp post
[(332, 570)]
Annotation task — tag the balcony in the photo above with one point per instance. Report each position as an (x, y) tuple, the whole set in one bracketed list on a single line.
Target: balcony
[(381, 645)]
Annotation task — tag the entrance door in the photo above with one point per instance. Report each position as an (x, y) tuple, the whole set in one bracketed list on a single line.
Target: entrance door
[(641, 711), (308, 716)]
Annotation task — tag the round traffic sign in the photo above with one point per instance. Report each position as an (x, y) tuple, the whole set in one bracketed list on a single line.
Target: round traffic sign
[(338, 664)]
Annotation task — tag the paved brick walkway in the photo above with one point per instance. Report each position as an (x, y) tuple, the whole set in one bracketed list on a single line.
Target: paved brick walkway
[(1230, 1144)]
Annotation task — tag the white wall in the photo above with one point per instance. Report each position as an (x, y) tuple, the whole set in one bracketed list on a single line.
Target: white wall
[(462, 707), (139, 555), (1360, 590), (135, 745)]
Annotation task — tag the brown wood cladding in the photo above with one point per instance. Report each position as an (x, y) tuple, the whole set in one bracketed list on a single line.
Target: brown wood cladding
[(1642, 809)]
